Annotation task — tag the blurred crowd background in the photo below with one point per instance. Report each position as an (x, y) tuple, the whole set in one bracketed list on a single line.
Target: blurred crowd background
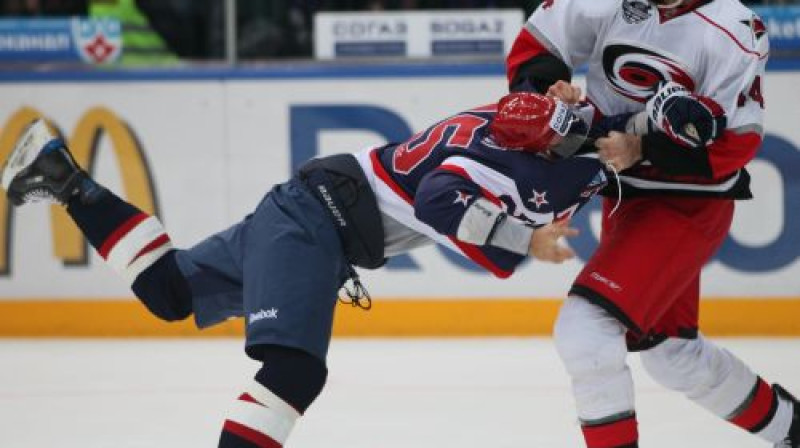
[(266, 29)]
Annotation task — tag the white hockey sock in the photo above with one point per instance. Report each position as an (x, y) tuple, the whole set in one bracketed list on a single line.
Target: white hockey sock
[(721, 383)]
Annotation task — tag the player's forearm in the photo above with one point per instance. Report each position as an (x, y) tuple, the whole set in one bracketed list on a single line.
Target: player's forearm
[(674, 159), (728, 154)]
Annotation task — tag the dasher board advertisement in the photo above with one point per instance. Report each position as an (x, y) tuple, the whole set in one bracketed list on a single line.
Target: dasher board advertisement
[(217, 145), (49, 40)]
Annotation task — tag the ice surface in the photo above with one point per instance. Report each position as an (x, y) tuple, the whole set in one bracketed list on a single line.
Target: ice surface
[(425, 393)]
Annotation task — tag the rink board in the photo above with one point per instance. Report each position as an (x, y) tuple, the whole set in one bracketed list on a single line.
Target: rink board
[(387, 318), (200, 148)]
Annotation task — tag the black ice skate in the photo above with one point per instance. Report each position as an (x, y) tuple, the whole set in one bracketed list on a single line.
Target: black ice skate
[(40, 168), (792, 439)]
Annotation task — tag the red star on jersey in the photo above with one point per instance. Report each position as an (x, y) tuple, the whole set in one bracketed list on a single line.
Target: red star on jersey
[(539, 199), (462, 198)]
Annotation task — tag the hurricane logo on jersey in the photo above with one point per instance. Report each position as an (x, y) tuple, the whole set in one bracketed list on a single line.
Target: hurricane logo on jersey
[(636, 11), (636, 72), (757, 27)]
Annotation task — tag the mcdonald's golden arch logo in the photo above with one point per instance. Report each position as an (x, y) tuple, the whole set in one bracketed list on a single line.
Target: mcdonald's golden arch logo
[(69, 245)]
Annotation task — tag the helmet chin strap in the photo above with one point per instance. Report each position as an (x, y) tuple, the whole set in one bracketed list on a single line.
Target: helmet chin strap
[(668, 5)]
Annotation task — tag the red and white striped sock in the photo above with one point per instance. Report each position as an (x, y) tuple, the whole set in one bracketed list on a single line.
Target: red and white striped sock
[(135, 245), (259, 418)]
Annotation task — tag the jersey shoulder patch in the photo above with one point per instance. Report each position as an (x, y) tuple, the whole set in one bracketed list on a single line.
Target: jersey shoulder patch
[(737, 23)]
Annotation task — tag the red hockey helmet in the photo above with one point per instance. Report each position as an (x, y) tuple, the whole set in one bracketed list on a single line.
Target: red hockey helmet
[(533, 122)]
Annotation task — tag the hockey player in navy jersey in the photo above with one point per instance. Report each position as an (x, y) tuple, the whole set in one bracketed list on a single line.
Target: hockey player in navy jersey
[(496, 183), (682, 80)]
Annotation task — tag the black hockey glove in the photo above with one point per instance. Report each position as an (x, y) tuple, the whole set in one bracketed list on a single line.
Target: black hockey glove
[(689, 120)]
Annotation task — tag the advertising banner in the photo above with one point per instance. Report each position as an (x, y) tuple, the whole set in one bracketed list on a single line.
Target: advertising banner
[(415, 34), (94, 41)]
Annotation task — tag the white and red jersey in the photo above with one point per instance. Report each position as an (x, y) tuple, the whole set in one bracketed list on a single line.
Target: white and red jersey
[(715, 48)]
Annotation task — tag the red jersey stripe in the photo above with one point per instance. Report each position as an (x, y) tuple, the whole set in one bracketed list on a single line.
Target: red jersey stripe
[(732, 152), (525, 47), (463, 173), (729, 34)]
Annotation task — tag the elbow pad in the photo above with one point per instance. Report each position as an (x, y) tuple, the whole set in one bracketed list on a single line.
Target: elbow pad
[(480, 222)]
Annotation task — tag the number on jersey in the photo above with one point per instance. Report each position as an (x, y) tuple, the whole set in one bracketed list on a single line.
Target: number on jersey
[(413, 152), (754, 94)]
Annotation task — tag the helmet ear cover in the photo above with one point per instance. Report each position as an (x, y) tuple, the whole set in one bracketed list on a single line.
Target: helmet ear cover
[(536, 123)]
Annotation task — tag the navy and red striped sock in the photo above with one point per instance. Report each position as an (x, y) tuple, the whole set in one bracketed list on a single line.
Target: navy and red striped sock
[(135, 245), (126, 237)]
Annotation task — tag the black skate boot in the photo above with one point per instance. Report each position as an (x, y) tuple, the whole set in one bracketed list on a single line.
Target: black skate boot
[(40, 168), (792, 439)]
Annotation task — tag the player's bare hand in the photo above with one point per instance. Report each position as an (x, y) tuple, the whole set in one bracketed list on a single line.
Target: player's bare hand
[(565, 92), (619, 150), (544, 242)]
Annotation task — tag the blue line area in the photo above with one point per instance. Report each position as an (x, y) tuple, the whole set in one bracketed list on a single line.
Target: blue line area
[(288, 71)]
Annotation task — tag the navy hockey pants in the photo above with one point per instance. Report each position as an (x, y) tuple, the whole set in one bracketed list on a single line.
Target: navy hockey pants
[(281, 268)]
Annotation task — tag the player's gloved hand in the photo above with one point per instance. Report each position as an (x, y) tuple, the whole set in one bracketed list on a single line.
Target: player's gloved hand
[(544, 242), (687, 119)]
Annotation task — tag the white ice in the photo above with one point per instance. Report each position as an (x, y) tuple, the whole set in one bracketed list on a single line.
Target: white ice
[(422, 393)]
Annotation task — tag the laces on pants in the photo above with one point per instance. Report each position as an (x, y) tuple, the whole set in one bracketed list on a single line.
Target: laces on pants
[(357, 294), (611, 168)]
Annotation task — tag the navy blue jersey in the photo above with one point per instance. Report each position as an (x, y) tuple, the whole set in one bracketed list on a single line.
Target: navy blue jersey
[(428, 181)]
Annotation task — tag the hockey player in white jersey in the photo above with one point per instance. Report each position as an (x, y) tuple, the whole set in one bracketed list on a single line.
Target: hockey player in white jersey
[(679, 84)]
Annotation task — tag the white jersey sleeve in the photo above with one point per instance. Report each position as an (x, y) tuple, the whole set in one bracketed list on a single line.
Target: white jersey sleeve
[(569, 28), (736, 70)]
